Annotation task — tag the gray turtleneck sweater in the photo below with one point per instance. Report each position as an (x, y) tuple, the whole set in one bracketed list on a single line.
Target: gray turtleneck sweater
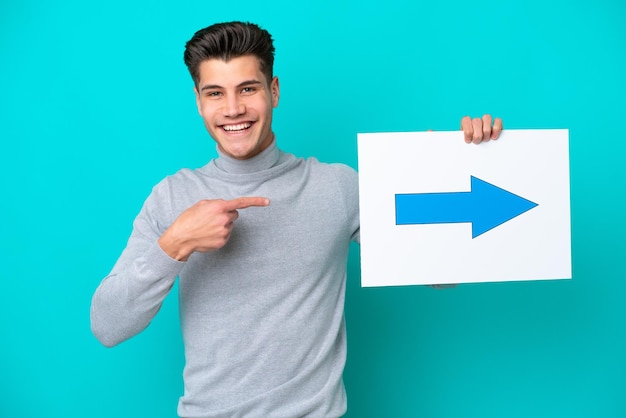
[(262, 318)]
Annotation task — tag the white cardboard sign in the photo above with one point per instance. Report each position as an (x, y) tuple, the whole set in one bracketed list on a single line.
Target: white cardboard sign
[(435, 210)]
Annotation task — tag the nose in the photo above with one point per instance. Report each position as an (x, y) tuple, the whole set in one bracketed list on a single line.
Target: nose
[(234, 107)]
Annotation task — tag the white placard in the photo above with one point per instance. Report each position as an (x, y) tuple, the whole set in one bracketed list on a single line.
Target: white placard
[(435, 210)]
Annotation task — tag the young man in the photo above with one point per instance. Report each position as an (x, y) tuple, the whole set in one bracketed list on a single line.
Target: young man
[(259, 241)]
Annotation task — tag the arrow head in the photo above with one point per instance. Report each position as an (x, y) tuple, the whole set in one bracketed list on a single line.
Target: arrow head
[(493, 206)]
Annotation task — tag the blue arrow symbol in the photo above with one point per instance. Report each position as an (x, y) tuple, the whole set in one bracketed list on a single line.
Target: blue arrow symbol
[(485, 206)]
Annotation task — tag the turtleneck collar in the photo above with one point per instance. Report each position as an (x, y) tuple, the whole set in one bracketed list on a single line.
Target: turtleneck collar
[(264, 160)]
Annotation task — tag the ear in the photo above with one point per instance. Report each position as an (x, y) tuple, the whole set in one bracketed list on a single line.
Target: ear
[(198, 104), (275, 91)]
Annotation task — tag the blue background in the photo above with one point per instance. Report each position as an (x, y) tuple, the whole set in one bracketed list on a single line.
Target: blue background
[(96, 106)]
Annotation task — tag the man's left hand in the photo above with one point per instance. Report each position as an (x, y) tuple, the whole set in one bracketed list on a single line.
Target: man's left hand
[(479, 130)]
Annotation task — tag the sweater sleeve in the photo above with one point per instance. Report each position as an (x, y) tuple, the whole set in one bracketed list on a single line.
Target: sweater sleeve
[(348, 182), (128, 298)]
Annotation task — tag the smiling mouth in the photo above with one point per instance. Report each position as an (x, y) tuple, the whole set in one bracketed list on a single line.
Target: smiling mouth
[(239, 127)]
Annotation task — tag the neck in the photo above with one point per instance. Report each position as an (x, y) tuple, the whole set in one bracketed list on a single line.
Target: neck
[(262, 161)]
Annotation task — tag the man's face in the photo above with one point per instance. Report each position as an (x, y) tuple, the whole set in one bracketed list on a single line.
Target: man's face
[(236, 101)]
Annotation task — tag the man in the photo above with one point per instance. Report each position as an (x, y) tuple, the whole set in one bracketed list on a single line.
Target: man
[(259, 241)]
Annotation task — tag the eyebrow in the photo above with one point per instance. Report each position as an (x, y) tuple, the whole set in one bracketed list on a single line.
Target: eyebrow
[(242, 84)]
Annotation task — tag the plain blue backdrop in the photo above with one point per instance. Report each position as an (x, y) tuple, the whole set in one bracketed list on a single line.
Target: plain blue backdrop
[(96, 107)]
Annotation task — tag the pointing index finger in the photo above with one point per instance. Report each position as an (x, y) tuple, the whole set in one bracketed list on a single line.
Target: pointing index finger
[(246, 202)]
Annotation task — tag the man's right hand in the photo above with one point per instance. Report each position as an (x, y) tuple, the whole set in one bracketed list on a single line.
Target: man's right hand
[(205, 226)]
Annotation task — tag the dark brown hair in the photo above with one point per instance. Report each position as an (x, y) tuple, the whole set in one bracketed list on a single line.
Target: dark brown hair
[(230, 40)]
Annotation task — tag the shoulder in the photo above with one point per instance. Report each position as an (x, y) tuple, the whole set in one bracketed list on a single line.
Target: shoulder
[(172, 186), (180, 178), (337, 170), (336, 178)]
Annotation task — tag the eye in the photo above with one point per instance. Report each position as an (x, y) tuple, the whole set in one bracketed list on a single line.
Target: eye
[(248, 90), (213, 94)]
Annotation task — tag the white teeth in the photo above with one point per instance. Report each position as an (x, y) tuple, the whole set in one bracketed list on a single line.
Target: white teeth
[(238, 127)]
